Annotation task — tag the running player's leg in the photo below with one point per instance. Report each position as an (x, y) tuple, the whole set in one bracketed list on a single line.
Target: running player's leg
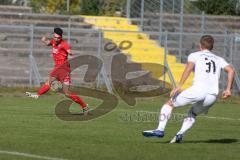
[(74, 97), (42, 90), (46, 86), (186, 125), (55, 74), (197, 108), (188, 96), (164, 116)]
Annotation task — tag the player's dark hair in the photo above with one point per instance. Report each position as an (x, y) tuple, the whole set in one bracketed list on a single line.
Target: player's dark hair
[(207, 42), (58, 31)]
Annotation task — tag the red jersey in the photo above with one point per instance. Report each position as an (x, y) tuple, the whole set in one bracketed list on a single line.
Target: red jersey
[(60, 52)]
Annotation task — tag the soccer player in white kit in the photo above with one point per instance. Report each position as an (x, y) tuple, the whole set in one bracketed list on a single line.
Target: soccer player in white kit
[(203, 92)]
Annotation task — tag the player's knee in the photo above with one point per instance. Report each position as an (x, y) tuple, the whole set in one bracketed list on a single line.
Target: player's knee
[(192, 114), (170, 103), (47, 83), (66, 93)]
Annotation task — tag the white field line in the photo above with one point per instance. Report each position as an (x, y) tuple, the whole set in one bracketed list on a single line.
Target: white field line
[(28, 155), (212, 117), (201, 116)]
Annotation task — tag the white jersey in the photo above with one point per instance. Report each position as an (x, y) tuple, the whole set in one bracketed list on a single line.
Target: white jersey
[(207, 70)]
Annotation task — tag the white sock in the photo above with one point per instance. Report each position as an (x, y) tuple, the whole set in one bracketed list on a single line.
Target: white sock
[(187, 124), (164, 116)]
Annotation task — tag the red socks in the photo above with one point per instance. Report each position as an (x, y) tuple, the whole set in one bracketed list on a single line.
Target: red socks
[(78, 100), (43, 89), (74, 97)]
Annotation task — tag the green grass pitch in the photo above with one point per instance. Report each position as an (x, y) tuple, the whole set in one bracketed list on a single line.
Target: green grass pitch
[(30, 126)]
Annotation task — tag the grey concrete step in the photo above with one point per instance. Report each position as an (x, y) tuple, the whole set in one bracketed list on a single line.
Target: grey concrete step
[(43, 23), (37, 16), (15, 9)]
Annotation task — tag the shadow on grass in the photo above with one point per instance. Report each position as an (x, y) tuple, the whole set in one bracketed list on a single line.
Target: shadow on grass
[(222, 141)]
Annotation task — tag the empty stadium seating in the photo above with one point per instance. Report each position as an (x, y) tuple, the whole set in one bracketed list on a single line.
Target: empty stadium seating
[(143, 49), (15, 9), (15, 42), (15, 45)]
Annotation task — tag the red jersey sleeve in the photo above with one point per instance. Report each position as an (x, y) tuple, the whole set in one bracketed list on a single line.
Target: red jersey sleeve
[(67, 48), (50, 42)]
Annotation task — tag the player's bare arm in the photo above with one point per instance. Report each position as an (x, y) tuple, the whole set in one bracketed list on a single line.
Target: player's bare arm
[(187, 71), (70, 52), (45, 40), (230, 71)]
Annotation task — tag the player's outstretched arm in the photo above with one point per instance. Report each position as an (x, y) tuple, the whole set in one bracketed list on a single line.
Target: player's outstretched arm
[(230, 71), (45, 40), (70, 52), (188, 69)]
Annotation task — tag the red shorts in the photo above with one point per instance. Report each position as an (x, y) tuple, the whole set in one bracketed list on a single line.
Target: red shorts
[(62, 74)]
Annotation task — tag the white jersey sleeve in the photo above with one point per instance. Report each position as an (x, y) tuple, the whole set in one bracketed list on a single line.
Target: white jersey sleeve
[(223, 63), (192, 58)]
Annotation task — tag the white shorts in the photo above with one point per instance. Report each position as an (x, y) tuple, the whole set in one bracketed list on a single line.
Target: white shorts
[(201, 101)]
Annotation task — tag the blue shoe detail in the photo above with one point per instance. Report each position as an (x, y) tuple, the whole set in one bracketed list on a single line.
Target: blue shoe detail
[(153, 133), (179, 138)]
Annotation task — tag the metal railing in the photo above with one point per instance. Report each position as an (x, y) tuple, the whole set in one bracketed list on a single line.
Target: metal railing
[(92, 42), (171, 15), (34, 60)]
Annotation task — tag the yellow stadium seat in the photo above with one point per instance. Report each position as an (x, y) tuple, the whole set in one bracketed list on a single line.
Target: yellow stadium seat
[(143, 49)]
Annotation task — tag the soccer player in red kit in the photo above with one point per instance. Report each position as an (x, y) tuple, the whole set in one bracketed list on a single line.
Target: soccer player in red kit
[(61, 71)]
